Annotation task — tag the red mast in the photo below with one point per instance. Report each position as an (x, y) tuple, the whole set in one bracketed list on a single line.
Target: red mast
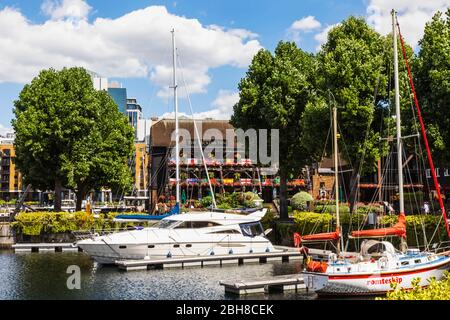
[(424, 135)]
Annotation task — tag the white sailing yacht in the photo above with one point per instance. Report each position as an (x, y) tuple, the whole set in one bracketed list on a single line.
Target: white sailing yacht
[(378, 264), (183, 235)]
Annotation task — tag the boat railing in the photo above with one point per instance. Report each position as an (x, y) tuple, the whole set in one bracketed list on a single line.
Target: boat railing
[(441, 246), (89, 234)]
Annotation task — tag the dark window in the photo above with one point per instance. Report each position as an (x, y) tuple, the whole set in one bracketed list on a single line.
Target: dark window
[(252, 229), (176, 245), (197, 224), (122, 247), (232, 231), (151, 246), (405, 263), (418, 261), (188, 245)]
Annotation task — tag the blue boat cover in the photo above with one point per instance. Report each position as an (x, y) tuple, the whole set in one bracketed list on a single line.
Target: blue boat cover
[(174, 210)]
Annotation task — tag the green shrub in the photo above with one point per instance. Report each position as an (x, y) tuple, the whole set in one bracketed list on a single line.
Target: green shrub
[(206, 202), (312, 222), (299, 200), (40, 223), (436, 290), (331, 208), (249, 198)]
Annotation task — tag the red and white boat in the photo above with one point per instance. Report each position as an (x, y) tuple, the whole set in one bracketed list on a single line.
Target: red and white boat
[(373, 270), (378, 265)]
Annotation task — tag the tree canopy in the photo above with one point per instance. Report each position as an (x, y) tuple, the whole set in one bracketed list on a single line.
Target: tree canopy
[(432, 80), (70, 135), (273, 95)]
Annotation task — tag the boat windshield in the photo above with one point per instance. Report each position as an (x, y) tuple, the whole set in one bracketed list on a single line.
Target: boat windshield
[(166, 224), (252, 229)]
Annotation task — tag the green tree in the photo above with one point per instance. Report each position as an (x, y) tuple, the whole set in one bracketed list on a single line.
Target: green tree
[(355, 75), (432, 81), (273, 95), (70, 135)]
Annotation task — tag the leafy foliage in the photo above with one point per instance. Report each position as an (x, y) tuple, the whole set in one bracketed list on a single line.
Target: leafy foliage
[(273, 95), (432, 74), (39, 223), (70, 135), (299, 200), (436, 290)]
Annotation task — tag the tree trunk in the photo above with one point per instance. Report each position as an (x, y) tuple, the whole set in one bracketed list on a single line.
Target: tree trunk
[(80, 195), (353, 195), (284, 214), (58, 190)]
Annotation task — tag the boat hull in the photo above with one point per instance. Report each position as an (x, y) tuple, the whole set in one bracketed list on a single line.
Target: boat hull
[(110, 253), (377, 283)]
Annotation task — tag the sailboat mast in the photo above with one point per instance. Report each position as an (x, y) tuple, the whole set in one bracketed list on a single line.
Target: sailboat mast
[(336, 176), (177, 133), (398, 125)]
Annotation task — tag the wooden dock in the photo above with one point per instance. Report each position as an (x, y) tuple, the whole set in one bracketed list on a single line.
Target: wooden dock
[(283, 255), (45, 247), (269, 285)]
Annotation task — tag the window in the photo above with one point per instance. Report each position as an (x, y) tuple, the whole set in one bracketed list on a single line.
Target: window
[(428, 173), (231, 231), (446, 172), (437, 172), (188, 245), (405, 263), (251, 229), (122, 247), (166, 224), (418, 261), (151, 246), (196, 225)]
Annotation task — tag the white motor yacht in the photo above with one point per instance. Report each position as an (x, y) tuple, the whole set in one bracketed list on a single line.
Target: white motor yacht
[(183, 235)]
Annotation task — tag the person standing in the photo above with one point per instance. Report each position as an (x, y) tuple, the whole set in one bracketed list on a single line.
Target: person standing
[(426, 207)]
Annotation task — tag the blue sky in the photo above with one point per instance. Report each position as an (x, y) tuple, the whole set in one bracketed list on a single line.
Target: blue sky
[(214, 80)]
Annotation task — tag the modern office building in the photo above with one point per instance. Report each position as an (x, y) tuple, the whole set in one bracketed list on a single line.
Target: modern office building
[(119, 96), (134, 113)]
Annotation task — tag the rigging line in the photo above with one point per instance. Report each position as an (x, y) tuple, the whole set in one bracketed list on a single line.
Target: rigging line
[(198, 135), (430, 160), (408, 175)]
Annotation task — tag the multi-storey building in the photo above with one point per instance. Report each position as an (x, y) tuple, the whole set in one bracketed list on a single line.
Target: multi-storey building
[(234, 172), (10, 178)]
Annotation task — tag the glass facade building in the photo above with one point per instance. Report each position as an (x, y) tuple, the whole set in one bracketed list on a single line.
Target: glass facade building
[(119, 96)]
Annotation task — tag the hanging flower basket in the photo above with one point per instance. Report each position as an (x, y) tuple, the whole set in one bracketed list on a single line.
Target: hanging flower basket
[(246, 162)]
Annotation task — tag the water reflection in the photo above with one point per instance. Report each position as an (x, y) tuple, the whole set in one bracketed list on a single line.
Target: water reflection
[(43, 276)]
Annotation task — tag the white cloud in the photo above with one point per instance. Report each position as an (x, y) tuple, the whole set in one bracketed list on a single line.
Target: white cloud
[(57, 9), (412, 16), (4, 130), (306, 24), (137, 44), (322, 36), (223, 110)]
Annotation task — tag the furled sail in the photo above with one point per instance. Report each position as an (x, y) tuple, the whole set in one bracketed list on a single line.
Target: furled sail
[(399, 230), (325, 236)]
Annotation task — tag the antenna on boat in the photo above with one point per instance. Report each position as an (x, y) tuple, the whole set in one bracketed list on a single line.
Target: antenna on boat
[(398, 127), (177, 133)]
